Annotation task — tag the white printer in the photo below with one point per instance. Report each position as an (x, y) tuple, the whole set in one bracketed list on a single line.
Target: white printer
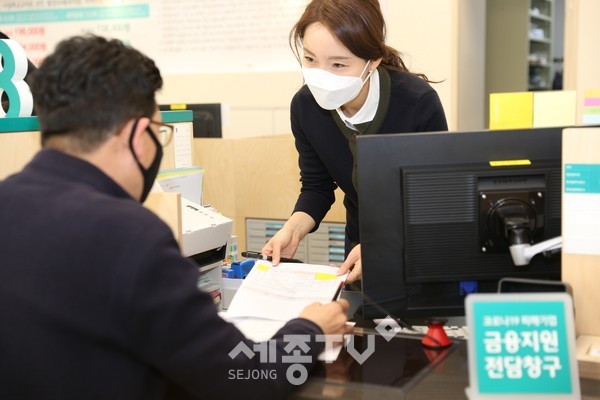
[(205, 234), (205, 238)]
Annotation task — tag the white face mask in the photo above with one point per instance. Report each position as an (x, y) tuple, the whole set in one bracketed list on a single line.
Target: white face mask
[(332, 91)]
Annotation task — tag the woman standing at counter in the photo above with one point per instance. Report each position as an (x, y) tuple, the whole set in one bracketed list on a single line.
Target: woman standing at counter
[(354, 85)]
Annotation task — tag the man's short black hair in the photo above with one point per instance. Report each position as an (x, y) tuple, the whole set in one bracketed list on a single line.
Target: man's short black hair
[(90, 87)]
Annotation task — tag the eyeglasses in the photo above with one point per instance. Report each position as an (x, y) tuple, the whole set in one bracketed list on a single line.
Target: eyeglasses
[(165, 133)]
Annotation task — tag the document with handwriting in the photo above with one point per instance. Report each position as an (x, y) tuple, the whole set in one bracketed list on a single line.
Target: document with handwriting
[(281, 292), (272, 295)]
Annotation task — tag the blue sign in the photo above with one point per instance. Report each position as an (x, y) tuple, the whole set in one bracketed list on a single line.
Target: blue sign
[(522, 344), (582, 178)]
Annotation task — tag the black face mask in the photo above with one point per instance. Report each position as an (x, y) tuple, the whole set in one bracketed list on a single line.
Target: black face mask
[(150, 173)]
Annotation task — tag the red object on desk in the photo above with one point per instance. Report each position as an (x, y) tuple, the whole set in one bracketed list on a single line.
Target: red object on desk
[(436, 337)]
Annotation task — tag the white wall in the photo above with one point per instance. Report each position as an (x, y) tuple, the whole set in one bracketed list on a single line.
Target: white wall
[(445, 39), (425, 31), (470, 75), (258, 102)]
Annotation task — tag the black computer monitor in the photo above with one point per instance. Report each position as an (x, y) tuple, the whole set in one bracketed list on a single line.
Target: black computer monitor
[(207, 120), (438, 212)]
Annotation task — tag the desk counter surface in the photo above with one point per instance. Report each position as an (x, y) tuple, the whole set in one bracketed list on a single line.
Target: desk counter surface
[(401, 369)]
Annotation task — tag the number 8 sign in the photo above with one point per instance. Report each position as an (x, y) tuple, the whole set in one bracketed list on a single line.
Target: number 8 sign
[(11, 80)]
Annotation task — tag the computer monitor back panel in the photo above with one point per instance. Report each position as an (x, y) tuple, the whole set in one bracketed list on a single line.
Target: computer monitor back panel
[(425, 202)]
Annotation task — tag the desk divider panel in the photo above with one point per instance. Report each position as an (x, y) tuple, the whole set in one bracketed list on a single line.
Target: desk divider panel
[(581, 268)]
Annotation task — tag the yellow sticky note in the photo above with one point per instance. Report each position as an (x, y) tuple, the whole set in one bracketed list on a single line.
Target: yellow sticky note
[(511, 110), (321, 276), (591, 93), (262, 267), (178, 107), (554, 108), (509, 163)]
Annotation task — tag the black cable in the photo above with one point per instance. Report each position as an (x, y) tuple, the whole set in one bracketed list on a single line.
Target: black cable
[(398, 320)]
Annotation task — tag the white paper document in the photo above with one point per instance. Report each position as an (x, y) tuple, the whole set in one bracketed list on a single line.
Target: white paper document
[(182, 141), (187, 181), (581, 209), (272, 295), (281, 292)]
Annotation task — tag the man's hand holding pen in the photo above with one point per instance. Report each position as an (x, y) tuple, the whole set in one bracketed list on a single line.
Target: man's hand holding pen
[(330, 317)]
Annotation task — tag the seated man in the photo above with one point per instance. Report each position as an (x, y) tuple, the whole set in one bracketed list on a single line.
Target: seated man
[(96, 300)]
